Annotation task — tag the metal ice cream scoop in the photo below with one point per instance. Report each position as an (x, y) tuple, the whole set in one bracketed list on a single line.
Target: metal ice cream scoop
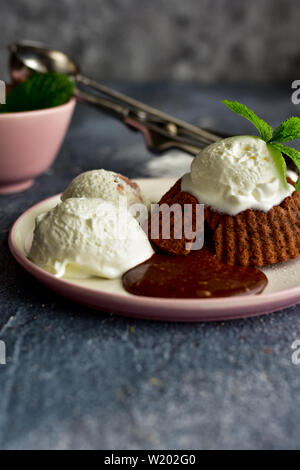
[(161, 131)]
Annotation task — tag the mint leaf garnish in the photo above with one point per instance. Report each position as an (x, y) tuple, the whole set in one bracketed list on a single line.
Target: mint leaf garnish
[(40, 91), (279, 162), (293, 154), (288, 130), (263, 127)]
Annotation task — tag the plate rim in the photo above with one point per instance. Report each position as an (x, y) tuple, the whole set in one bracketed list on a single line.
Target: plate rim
[(288, 297)]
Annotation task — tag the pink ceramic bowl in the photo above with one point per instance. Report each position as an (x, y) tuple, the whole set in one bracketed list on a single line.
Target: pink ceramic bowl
[(29, 143)]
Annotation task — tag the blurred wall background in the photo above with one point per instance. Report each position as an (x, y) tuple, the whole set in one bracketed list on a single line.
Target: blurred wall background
[(206, 41)]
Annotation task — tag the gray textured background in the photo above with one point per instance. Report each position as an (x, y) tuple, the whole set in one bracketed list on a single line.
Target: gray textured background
[(76, 378), (199, 40)]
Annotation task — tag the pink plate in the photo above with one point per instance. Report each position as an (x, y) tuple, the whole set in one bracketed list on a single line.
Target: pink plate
[(282, 291)]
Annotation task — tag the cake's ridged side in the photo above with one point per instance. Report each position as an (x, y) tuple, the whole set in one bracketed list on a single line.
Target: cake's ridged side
[(257, 238), (290, 241), (244, 241), (251, 238), (255, 255), (268, 247), (212, 218)]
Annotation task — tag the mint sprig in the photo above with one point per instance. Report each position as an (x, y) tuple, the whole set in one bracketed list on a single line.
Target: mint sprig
[(293, 154), (40, 91), (263, 127), (287, 131)]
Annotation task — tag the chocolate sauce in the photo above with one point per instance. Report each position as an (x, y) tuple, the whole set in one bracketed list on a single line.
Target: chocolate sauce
[(198, 275)]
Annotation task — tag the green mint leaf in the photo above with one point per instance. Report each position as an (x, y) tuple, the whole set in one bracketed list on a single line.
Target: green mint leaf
[(293, 154), (279, 162), (40, 91), (263, 127), (288, 130)]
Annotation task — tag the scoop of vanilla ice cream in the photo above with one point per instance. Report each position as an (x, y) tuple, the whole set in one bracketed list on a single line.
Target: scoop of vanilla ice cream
[(106, 185), (84, 237), (236, 174)]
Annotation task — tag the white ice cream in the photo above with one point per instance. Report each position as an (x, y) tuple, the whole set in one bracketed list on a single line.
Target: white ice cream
[(105, 184), (236, 174), (84, 237)]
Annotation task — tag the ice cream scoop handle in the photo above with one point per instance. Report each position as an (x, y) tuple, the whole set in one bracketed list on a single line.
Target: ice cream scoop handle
[(104, 104), (161, 131)]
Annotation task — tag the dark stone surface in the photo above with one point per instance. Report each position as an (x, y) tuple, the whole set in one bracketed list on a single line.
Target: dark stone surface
[(200, 40), (76, 378)]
